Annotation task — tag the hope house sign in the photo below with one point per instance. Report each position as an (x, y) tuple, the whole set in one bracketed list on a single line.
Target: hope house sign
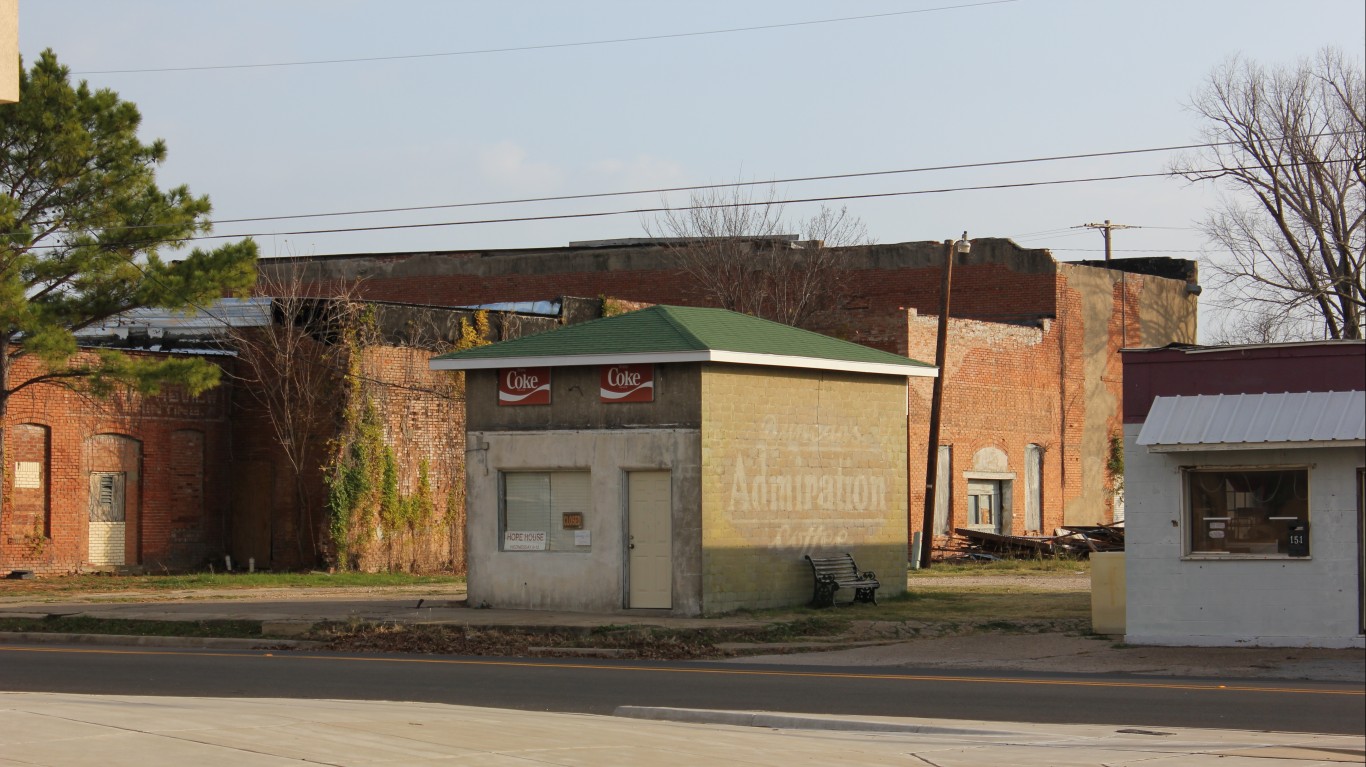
[(524, 386), (627, 383)]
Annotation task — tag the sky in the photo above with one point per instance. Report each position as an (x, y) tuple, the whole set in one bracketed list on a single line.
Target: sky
[(448, 103)]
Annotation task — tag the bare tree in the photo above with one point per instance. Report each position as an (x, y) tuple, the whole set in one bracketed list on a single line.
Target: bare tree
[(292, 366), (735, 245), (1290, 146)]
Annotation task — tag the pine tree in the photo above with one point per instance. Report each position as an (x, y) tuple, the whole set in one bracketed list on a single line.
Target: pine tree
[(84, 235)]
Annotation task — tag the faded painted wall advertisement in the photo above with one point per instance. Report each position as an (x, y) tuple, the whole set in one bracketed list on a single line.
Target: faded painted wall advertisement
[(805, 475)]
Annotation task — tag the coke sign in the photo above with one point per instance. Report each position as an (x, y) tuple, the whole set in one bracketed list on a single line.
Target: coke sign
[(524, 386), (627, 383)]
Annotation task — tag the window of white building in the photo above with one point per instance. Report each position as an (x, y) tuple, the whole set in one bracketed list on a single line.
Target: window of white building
[(1248, 511)]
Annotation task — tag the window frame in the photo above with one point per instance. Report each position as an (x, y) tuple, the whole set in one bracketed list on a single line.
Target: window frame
[(1189, 524), (556, 537)]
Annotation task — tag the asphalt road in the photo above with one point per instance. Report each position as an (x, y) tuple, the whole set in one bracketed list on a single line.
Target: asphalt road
[(598, 686)]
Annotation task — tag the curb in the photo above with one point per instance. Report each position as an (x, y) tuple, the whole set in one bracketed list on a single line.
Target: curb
[(789, 721), (203, 643)]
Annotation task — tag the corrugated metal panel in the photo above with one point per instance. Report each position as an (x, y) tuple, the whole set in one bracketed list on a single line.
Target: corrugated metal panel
[(1253, 419), (225, 312)]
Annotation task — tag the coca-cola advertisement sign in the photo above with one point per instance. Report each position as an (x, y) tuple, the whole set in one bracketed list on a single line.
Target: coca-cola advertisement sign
[(627, 383), (524, 386)]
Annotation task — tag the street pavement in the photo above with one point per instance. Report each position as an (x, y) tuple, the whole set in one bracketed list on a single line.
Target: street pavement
[(41, 729)]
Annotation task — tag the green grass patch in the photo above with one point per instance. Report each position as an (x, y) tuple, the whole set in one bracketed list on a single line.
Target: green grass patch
[(77, 584), (82, 625)]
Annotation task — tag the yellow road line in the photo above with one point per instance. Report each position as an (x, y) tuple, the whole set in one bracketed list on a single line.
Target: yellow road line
[(718, 671)]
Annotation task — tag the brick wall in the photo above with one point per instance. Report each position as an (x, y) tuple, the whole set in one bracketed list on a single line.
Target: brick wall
[(1060, 391), (171, 451), (282, 522)]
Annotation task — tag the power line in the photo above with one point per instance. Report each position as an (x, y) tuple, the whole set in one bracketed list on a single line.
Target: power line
[(713, 206), (547, 46), (727, 185), (730, 185), (662, 209)]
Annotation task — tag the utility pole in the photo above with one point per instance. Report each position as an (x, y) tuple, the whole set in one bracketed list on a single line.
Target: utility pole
[(1105, 230), (951, 248)]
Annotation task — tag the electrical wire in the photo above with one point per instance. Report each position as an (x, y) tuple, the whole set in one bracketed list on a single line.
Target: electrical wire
[(734, 184), (547, 46), (663, 209), (727, 185)]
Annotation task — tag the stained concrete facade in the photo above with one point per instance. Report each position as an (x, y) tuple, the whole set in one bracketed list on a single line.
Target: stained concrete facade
[(767, 464)]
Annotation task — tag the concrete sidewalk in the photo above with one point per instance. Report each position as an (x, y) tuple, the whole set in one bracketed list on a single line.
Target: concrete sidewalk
[(52, 730)]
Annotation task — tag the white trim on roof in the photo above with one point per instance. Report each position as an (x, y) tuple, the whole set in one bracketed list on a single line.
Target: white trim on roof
[(1255, 421), (713, 355)]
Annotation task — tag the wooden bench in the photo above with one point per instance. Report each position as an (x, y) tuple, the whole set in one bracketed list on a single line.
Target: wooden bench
[(838, 571)]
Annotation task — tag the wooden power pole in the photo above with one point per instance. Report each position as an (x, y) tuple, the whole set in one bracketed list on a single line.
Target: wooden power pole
[(1105, 230)]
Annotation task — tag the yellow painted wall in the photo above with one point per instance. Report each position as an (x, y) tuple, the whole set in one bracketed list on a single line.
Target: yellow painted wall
[(795, 462)]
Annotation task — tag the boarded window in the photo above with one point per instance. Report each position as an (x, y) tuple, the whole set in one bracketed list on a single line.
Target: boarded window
[(1033, 520), (943, 490), (106, 497), (984, 505)]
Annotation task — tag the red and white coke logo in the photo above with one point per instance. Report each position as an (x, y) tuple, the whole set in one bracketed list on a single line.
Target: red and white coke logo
[(524, 386), (627, 383)]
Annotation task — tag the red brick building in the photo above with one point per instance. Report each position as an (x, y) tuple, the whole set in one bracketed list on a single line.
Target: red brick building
[(109, 483), (1031, 413), (171, 482)]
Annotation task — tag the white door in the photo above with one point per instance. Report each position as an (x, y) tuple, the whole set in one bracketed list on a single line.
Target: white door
[(650, 540), (108, 525)]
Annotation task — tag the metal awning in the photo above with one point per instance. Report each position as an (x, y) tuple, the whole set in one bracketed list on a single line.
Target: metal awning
[(1255, 421)]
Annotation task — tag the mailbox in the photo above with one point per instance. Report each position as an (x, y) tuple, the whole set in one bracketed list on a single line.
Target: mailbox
[(1299, 539)]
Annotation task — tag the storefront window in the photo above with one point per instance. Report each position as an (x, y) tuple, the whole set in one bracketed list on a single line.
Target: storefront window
[(545, 511), (1248, 511)]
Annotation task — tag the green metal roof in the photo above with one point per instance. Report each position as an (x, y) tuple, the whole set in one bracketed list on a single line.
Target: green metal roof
[(681, 333)]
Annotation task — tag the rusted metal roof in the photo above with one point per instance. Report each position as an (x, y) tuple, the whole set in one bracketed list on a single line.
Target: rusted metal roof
[(1251, 421)]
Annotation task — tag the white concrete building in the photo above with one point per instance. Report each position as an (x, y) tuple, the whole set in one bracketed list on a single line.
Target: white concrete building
[(1244, 482)]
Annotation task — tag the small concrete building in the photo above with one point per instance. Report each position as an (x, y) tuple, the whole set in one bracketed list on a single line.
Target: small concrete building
[(680, 459), (1244, 484)]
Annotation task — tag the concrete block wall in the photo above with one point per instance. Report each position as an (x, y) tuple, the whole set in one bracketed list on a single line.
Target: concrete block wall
[(1175, 599), (798, 462)]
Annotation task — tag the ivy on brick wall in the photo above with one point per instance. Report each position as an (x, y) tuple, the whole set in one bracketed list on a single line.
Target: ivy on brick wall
[(373, 524), (1114, 463)]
